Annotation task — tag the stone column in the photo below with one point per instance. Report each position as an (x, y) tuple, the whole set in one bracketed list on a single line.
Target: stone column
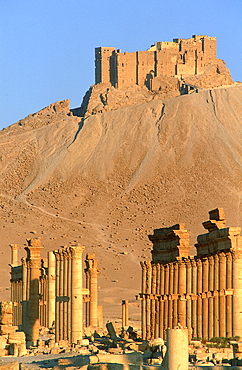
[(65, 293), (125, 313), (157, 302), (60, 294), (175, 292), (91, 276), (76, 294), (210, 299), (194, 301), (51, 289), (229, 297), (189, 302), (170, 301), (177, 349), (161, 302), (100, 316), (153, 300), (14, 254), (166, 282), (199, 300), (182, 292), (24, 294), (57, 300), (216, 296), (205, 299), (237, 296), (222, 287), (147, 299), (143, 308), (33, 256)]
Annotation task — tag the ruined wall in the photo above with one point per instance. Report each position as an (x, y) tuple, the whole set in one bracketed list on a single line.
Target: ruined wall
[(201, 293)]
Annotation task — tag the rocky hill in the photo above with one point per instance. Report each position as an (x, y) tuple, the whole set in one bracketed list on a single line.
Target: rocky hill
[(107, 180)]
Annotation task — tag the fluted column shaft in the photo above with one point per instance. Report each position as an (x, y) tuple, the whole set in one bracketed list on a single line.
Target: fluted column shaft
[(143, 306), (222, 287), (33, 250), (76, 294), (182, 291), (175, 292), (210, 300), (51, 289), (199, 299), (205, 299), (229, 303), (237, 296)]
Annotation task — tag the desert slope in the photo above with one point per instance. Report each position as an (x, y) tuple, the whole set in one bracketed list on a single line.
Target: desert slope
[(108, 180)]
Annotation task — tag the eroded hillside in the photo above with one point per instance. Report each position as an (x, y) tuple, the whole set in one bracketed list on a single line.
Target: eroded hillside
[(108, 180)]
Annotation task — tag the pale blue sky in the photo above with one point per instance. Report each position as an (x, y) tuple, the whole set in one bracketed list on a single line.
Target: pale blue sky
[(47, 46)]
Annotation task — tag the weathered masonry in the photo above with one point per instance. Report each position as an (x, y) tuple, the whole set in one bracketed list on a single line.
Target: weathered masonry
[(202, 292), (178, 58), (47, 292)]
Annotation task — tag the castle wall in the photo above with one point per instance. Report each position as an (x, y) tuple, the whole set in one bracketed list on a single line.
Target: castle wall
[(180, 57), (102, 64), (145, 61), (126, 69)]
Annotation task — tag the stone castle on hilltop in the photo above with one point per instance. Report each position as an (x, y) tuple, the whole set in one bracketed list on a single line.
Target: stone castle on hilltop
[(165, 70), (180, 58)]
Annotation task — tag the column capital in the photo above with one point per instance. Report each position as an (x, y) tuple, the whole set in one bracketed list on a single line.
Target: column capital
[(147, 264), (76, 251), (221, 257), (211, 260), (229, 256), (57, 255), (14, 246)]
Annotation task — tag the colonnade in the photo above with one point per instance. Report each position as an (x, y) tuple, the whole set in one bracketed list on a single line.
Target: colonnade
[(91, 271), (192, 292), (69, 300), (53, 294)]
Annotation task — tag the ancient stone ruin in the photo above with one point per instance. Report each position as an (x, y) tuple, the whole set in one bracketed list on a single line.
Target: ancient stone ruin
[(202, 293), (183, 298), (52, 293), (180, 59)]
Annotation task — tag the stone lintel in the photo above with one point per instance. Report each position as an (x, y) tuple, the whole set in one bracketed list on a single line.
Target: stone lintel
[(219, 240), (33, 249)]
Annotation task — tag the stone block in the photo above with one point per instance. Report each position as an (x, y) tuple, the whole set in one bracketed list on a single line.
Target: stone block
[(17, 337), (6, 319), (3, 341), (111, 330), (22, 351), (7, 329), (63, 343), (6, 308), (55, 351), (83, 342)]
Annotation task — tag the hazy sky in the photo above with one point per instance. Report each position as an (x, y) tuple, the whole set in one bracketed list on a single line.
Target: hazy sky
[(47, 46)]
